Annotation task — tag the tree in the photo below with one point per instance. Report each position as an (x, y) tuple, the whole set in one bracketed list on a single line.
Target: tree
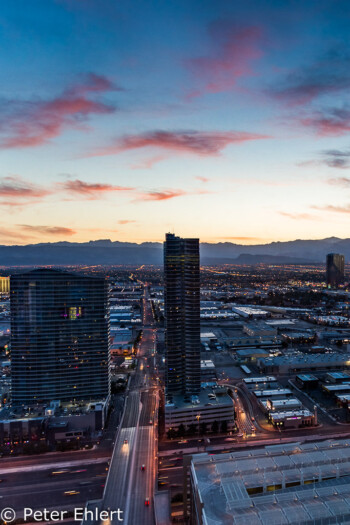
[(181, 431), (215, 427), (178, 498), (224, 427), (171, 433), (192, 429), (203, 428)]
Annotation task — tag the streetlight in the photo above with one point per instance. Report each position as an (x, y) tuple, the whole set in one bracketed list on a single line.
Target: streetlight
[(198, 418)]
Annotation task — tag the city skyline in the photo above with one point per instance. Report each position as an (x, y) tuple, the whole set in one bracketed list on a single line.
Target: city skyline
[(226, 122)]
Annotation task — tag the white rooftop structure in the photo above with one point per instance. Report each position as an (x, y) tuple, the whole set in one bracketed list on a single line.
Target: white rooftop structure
[(248, 311), (273, 392), (260, 379), (275, 485), (208, 335), (282, 404), (290, 414)]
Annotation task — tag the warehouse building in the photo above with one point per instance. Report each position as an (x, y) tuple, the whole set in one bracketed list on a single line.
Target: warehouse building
[(280, 484), (298, 362), (306, 381)]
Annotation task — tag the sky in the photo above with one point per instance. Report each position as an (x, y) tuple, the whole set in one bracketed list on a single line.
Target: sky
[(223, 120)]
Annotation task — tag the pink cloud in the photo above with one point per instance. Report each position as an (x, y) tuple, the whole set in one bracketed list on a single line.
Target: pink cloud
[(91, 190), (147, 164), (48, 230), (299, 216), (242, 238), (338, 209), (202, 143), (235, 48), (161, 195), (33, 123), (342, 182), (17, 192), (166, 194), (6, 234)]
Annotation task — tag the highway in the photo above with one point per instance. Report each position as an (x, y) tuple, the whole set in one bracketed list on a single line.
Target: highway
[(132, 473), (62, 486)]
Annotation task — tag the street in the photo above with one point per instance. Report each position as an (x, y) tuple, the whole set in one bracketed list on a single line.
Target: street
[(131, 477)]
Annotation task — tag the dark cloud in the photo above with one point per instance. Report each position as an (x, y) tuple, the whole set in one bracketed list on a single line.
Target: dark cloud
[(337, 159), (328, 121), (328, 74), (202, 143)]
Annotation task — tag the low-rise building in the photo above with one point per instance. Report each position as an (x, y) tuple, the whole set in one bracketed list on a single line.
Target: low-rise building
[(250, 355), (206, 408), (278, 393), (306, 381), (208, 372), (249, 312), (298, 361), (342, 388), (278, 405), (337, 377), (297, 418), (278, 484)]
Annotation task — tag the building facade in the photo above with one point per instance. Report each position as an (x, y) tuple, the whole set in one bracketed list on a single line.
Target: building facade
[(182, 315), (4, 285), (59, 337), (335, 269)]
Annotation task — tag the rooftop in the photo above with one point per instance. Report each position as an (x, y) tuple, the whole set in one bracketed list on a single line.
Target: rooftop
[(272, 392), (201, 400), (307, 377), (279, 484), (260, 379)]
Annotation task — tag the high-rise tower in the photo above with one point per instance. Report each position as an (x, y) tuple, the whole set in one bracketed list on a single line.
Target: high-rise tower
[(335, 269), (59, 337), (182, 314)]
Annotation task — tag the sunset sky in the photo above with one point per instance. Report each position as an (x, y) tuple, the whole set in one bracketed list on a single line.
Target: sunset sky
[(224, 120)]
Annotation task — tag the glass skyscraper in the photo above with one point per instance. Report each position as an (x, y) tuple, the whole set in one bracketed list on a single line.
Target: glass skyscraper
[(182, 314), (59, 337), (335, 269)]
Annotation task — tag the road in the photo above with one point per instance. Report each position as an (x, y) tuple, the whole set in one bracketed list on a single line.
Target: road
[(21, 489), (54, 458), (129, 484), (244, 420)]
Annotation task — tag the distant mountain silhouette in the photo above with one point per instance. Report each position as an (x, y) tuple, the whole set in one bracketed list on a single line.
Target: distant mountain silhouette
[(107, 252)]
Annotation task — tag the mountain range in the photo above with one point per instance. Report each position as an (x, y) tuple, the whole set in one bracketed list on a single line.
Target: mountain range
[(107, 252)]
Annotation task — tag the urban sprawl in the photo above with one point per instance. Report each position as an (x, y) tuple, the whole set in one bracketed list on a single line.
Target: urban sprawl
[(177, 394)]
